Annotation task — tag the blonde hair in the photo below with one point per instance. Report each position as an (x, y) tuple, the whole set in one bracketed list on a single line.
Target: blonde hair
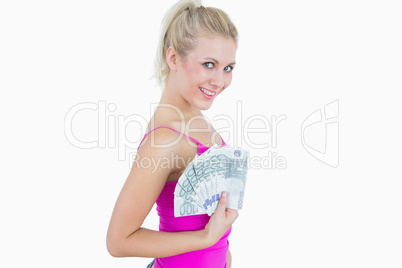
[(181, 25)]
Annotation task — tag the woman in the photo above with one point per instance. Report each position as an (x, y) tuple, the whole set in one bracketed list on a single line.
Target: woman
[(194, 64)]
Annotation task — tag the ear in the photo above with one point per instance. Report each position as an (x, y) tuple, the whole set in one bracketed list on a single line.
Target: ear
[(171, 58)]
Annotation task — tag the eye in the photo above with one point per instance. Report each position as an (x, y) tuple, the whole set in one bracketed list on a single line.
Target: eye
[(228, 69), (209, 65)]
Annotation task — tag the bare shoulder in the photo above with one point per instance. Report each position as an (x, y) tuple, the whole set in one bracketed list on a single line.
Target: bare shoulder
[(161, 138), (169, 149)]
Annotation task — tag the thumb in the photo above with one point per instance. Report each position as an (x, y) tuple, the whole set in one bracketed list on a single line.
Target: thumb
[(222, 203)]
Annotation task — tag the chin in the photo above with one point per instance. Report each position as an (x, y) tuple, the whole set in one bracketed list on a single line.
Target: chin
[(204, 107)]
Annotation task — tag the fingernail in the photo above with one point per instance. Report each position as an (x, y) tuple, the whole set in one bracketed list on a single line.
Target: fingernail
[(224, 194)]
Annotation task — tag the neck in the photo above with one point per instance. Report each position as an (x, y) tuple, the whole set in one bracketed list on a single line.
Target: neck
[(170, 96)]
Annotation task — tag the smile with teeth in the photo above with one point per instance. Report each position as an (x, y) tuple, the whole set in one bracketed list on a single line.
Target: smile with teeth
[(207, 92)]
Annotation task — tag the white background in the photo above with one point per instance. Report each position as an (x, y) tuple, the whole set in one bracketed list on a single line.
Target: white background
[(294, 57)]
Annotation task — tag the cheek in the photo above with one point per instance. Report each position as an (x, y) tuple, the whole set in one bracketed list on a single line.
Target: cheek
[(228, 80), (197, 74)]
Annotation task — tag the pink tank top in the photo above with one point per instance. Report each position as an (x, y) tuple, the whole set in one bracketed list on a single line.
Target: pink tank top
[(214, 256)]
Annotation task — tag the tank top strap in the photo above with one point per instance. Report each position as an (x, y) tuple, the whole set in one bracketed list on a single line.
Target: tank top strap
[(198, 143)]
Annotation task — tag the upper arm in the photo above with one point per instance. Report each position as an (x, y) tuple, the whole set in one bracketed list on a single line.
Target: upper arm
[(143, 184)]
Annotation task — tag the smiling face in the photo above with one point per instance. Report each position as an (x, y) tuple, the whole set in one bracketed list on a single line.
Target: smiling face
[(206, 70)]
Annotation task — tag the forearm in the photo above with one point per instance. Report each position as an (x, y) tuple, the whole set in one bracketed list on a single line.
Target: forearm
[(154, 244)]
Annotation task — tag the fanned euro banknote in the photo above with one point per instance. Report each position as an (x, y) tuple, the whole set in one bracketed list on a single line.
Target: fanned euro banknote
[(199, 188)]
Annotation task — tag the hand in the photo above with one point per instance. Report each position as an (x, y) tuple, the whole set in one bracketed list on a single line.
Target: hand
[(221, 220)]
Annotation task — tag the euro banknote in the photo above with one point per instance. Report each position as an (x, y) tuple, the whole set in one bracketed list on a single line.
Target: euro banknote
[(199, 188)]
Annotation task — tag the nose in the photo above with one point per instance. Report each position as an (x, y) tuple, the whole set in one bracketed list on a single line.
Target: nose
[(217, 81)]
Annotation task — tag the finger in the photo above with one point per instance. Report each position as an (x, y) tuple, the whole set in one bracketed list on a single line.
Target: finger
[(222, 203), (232, 214), (231, 210)]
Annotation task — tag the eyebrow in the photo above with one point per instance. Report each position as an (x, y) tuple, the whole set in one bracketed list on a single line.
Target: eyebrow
[(209, 58)]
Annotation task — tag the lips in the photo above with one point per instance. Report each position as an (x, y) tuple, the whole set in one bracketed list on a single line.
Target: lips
[(209, 94)]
